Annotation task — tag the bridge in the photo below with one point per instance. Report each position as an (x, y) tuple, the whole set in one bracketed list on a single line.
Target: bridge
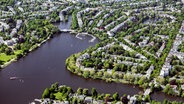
[(147, 92)]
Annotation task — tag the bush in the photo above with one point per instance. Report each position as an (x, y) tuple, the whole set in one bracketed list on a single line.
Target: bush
[(85, 91), (46, 93), (86, 74), (116, 96), (79, 91), (94, 92)]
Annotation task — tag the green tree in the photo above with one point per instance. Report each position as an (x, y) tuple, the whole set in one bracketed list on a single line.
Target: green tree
[(116, 96), (79, 91), (147, 98), (46, 93), (74, 20), (168, 90), (52, 96), (94, 92), (86, 74), (74, 101), (85, 91), (69, 90)]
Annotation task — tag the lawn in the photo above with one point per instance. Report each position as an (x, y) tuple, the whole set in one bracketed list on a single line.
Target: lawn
[(6, 58), (18, 52)]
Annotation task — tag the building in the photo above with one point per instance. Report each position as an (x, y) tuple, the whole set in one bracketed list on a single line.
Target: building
[(110, 33), (165, 70)]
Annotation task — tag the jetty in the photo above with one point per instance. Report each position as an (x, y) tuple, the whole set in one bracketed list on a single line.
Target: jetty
[(85, 34)]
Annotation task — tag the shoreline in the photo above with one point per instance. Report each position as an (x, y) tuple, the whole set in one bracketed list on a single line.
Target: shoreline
[(65, 94), (108, 80), (37, 45), (78, 35), (30, 50), (71, 66)]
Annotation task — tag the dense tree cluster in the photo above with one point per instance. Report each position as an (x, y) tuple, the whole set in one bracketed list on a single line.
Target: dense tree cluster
[(65, 93)]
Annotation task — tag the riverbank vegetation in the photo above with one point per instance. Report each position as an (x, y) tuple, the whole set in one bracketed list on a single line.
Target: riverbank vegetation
[(20, 34), (65, 94), (31, 34)]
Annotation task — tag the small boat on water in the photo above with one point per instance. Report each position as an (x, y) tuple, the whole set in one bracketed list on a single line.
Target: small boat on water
[(13, 78)]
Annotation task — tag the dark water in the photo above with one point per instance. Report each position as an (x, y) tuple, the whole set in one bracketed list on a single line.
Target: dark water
[(45, 66), (160, 96)]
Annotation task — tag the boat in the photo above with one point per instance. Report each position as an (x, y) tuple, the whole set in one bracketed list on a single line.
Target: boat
[(13, 78)]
